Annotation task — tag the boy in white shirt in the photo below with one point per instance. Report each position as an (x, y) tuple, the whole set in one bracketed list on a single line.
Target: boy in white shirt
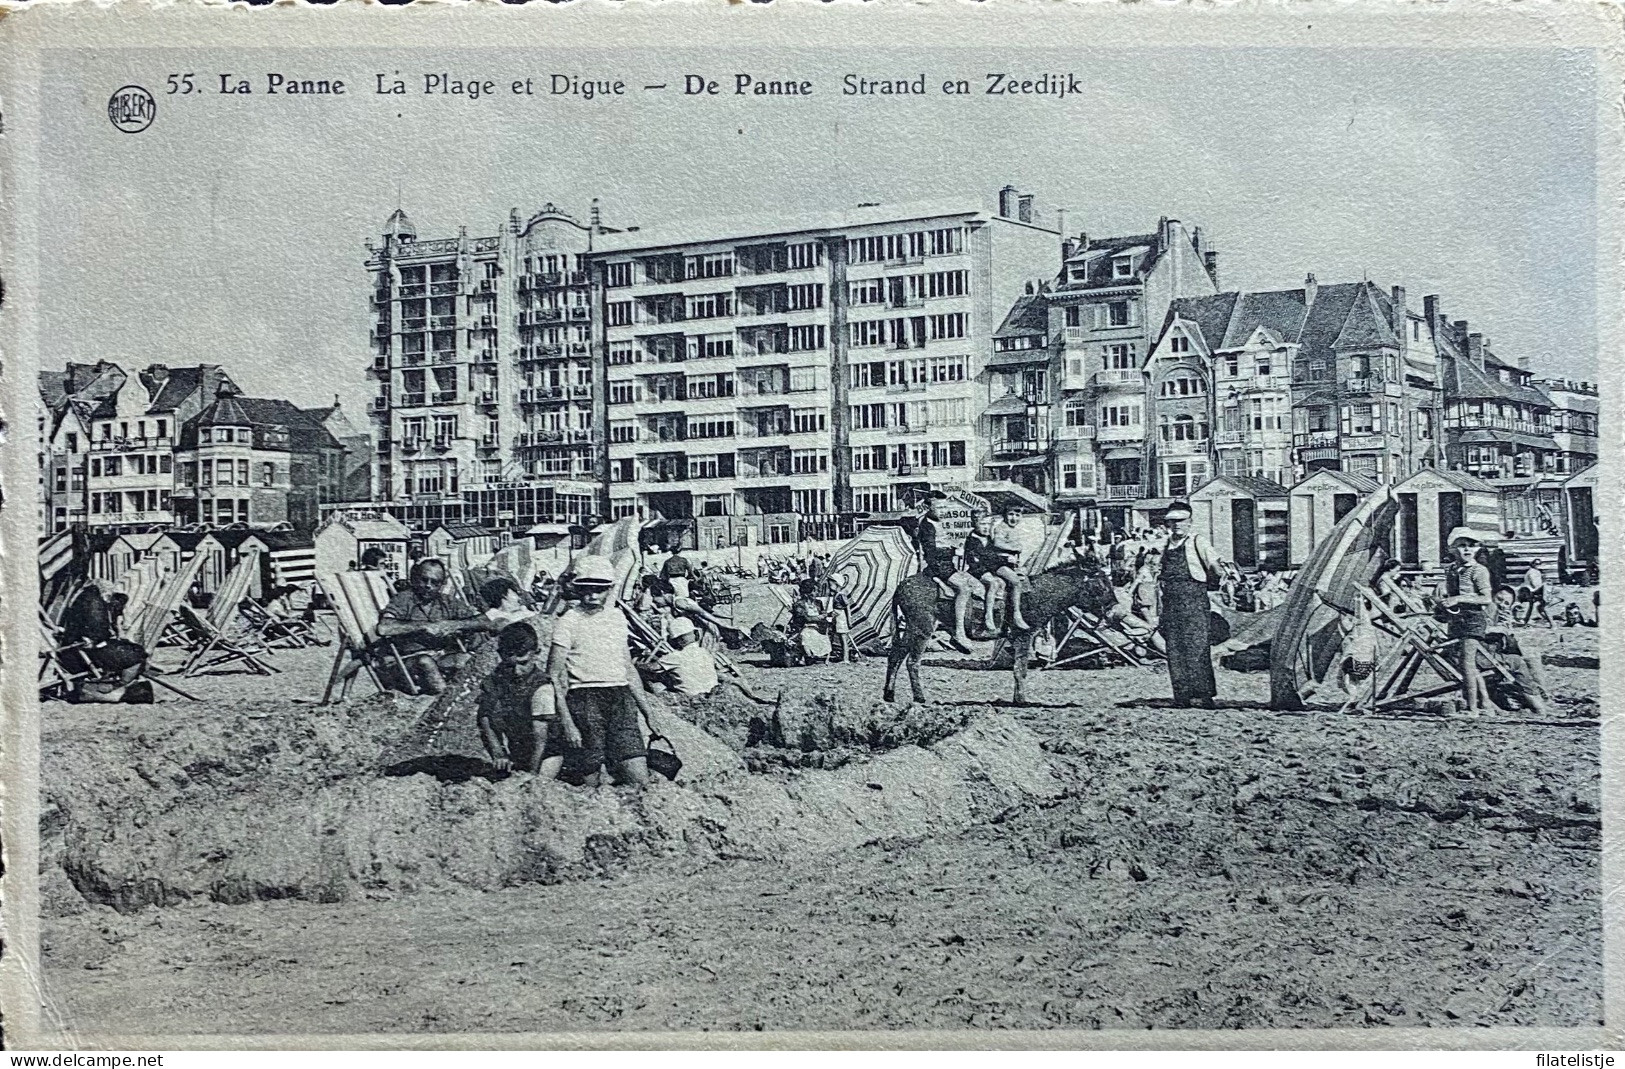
[(598, 691)]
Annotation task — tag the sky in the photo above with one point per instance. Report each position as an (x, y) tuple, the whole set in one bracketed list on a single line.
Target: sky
[(233, 230)]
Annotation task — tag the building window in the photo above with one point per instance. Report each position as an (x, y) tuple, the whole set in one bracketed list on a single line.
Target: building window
[(1118, 314), (1074, 316), (1183, 386), (1179, 343), (1119, 357), (618, 275), (619, 313)]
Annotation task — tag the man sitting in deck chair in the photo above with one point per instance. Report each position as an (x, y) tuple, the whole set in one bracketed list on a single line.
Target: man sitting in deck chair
[(424, 622), (87, 627)]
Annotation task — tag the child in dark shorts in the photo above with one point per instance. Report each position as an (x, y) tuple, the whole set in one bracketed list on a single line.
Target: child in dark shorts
[(517, 716)]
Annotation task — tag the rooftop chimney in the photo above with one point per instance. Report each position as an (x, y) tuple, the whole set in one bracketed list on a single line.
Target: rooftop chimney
[(1068, 247), (513, 220), (1310, 288), (595, 217), (1024, 207), (1166, 228), (1431, 311), (1007, 202), (1399, 316), (1210, 260), (1476, 344)]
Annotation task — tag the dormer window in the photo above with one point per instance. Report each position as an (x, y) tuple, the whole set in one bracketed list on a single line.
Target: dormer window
[(1080, 273), (1179, 344), (1123, 267)]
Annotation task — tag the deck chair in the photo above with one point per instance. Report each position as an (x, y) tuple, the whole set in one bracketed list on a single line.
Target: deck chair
[(157, 620), (275, 631), (357, 599), (649, 645), (1419, 645), (65, 665), (1088, 638), (213, 648)]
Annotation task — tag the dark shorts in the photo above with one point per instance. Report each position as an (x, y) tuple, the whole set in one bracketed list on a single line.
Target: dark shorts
[(1531, 597), (607, 718), (941, 567)]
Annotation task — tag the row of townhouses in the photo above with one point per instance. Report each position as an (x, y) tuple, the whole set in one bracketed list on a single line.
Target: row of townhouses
[(775, 374), (771, 379), (177, 446)]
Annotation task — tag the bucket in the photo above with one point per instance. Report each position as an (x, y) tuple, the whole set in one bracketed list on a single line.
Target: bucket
[(666, 762)]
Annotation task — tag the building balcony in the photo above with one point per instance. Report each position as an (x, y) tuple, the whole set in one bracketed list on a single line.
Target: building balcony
[(415, 290), (485, 356), (445, 356), (1500, 423), (580, 314), (1075, 432), (411, 446), (1004, 447), (412, 325), (443, 323), (414, 400), (484, 322), (486, 285), (536, 395), (1315, 440), (1196, 448), (380, 404), (1118, 375), (413, 359), (443, 289), (445, 397), (1371, 384), (1122, 492), (129, 445), (487, 398), (1230, 438)]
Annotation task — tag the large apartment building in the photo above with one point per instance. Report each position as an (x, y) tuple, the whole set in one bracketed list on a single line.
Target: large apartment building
[(481, 348), (765, 376)]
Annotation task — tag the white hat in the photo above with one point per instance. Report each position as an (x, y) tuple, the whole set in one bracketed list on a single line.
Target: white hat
[(680, 626), (591, 568), (1465, 534)]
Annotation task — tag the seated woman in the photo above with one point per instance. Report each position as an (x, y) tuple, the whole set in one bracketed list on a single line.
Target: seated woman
[(88, 626)]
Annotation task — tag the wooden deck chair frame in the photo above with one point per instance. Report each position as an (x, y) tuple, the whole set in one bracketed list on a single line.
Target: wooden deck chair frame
[(276, 632), (359, 649), (1420, 645), (1083, 627), (54, 663), (157, 622), (213, 648)]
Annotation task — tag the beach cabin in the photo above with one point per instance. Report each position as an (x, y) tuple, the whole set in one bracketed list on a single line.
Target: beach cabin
[(460, 545), (124, 552), (286, 557), (1318, 504), (1245, 517), (1432, 503), (1579, 516), (174, 548), (344, 539)]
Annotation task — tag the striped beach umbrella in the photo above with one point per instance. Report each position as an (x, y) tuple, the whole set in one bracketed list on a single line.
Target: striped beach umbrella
[(870, 567), (1309, 638)]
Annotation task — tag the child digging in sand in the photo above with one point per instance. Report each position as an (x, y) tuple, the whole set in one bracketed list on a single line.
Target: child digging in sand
[(518, 716)]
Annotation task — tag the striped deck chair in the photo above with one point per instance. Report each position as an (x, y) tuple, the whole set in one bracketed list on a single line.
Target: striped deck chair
[(158, 618), (220, 636), (357, 599), (213, 648)]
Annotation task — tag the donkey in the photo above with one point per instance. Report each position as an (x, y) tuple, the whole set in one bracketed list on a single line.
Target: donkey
[(917, 609)]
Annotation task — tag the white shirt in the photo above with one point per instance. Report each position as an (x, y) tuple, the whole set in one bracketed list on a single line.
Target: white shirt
[(693, 669), (595, 646)]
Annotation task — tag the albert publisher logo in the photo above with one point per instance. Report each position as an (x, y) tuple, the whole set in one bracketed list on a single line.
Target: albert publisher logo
[(131, 109)]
